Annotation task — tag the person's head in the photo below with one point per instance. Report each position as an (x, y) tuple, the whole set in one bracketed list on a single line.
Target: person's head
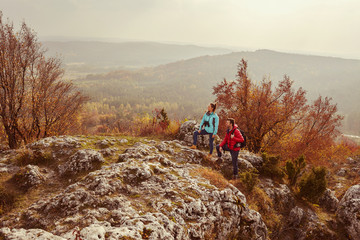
[(212, 107), (230, 122)]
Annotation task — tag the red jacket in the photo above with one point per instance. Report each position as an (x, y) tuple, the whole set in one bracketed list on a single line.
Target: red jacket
[(232, 141)]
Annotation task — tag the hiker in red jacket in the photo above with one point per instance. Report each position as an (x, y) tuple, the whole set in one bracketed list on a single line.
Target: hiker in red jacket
[(233, 136)]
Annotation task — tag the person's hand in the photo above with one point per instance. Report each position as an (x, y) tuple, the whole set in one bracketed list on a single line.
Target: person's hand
[(220, 149), (232, 135), (199, 131)]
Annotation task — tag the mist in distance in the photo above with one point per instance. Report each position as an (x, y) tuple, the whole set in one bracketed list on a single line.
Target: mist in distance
[(320, 27)]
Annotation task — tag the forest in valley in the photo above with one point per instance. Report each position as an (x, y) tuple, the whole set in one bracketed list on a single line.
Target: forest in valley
[(184, 88)]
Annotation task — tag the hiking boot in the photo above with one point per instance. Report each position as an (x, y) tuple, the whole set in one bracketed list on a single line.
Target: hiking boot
[(193, 147), (208, 156)]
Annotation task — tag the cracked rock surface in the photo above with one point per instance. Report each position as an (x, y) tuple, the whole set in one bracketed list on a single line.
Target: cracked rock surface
[(153, 191)]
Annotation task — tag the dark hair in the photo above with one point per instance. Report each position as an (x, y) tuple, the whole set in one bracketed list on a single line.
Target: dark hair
[(213, 105), (232, 121)]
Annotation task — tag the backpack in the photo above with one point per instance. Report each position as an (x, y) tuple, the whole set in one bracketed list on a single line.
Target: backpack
[(214, 123), (206, 123), (241, 144)]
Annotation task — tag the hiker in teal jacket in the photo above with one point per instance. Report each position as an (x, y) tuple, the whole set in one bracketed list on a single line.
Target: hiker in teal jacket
[(210, 121)]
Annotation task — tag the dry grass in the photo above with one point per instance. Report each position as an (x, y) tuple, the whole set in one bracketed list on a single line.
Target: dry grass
[(214, 177), (259, 201)]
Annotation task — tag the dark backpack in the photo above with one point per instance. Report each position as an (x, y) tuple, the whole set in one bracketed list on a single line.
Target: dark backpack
[(241, 144)]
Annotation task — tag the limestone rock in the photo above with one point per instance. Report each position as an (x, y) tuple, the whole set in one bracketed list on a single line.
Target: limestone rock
[(329, 201), (281, 195), (151, 194), (27, 234), (342, 172), (348, 211), (82, 160), (255, 160), (187, 131), (56, 142), (108, 151), (28, 177)]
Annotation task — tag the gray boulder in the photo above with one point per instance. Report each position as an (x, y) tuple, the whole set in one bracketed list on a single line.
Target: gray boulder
[(27, 234), (28, 177), (304, 224), (82, 160), (348, 211), (255, 160), (186, 133), (329, 201), (280, 194), (56, 142)]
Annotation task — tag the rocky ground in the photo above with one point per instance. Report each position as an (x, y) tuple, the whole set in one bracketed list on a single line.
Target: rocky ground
[(136, 188)]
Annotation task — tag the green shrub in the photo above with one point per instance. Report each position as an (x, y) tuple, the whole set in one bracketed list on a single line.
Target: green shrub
[(293, 169), (271, 167), (249, 179), (313, 185)]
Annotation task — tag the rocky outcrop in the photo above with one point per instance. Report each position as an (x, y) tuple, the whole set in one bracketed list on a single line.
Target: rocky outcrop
[(82, 160), (304, 224), (154, 191), (28, 177), (28, 234), (280, 194), (186, 134), (61, 142), (105, 188), (329, 201), (348, 211)]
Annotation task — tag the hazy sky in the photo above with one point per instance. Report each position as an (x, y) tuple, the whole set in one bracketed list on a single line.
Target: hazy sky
[(324, 27)]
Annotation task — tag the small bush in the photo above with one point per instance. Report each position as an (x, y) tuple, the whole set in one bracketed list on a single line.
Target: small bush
[(173, 128), (313, 185), (27, 156), (145, 234), (271, 167), (7, 200), (293, 169), (249, 179)]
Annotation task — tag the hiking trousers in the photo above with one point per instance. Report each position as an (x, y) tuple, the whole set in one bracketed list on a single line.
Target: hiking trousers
[(234, 156), (211, 139)]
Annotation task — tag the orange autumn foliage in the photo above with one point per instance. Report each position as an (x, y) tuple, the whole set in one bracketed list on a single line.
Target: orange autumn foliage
[(278, 120)]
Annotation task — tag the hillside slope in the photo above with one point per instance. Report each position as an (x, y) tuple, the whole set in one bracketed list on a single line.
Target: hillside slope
[(126, 54), (190, 82), (127, 188)]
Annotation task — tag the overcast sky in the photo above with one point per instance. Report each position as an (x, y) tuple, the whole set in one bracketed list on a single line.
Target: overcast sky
[(322, 27)]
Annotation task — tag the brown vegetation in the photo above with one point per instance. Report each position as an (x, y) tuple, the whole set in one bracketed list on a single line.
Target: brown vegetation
[(34, 101), (279, 121)]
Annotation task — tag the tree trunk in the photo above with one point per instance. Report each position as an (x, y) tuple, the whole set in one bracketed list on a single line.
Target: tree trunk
[(12, 139)]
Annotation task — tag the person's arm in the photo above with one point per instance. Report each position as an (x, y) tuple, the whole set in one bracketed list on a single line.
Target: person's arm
[(216, 127), (224, 141), (237, 136), (202, 122)]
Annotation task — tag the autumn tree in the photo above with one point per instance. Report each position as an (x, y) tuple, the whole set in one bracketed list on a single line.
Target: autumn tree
[(34, 100), (276, 119)]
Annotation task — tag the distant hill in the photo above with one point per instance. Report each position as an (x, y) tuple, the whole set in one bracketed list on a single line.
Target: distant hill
[(188, 83), (125, 54), (334, 77)]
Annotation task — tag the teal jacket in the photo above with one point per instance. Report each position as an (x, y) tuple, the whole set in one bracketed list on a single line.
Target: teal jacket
[(209, 117)]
